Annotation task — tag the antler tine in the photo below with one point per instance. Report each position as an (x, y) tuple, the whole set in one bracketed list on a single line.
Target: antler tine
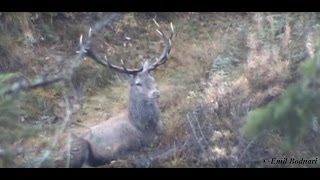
[(154, 20), (90, 32), (123, 66), (172, 30), (165, 52), (80, 41)]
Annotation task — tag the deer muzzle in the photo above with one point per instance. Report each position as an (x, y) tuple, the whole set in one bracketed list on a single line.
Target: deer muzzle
[(154, 94)]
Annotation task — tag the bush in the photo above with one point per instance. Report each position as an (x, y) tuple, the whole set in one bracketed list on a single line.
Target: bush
[(295, 110)]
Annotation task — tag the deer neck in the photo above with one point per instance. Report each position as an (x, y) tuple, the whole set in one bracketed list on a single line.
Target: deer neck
[(144, 113)]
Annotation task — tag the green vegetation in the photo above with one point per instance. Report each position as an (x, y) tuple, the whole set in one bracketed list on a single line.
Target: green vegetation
[(293, 113)]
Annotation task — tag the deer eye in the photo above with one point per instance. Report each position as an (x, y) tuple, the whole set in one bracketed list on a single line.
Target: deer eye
[(137, 82)]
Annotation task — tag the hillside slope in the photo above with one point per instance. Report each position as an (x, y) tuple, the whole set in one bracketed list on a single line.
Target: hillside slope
[(222, 66)]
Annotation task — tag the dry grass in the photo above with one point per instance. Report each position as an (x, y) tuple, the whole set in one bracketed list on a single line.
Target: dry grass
[(260, 80), (265, 67), (258, 71), (104, 104)]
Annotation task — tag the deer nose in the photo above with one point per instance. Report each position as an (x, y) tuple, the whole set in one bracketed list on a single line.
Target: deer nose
[(154, 94)]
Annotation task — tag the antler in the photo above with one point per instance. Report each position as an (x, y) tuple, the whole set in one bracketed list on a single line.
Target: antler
[(167, 47), (91, 52)]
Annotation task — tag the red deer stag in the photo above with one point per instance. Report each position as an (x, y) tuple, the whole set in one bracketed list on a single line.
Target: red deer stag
[(132, 130)]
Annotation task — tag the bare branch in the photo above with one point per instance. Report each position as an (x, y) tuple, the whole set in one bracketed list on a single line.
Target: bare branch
[(69, 151), (25, 86), (67, 118), (250, 144), (195, 133)]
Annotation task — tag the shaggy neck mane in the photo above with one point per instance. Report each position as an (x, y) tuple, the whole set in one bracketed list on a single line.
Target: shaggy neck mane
[(143, 113)]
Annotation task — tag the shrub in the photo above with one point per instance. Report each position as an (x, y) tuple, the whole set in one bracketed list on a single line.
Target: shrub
[(295, 110)]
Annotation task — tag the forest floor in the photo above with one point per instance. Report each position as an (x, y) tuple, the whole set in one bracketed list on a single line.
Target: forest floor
[(222, 66)]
